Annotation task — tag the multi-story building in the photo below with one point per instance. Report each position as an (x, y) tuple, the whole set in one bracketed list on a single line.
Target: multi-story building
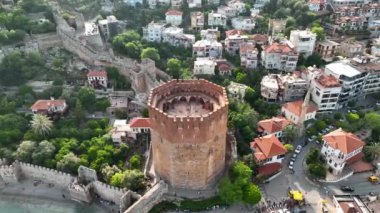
[(109, 27), (227, 11), (48, 107), (175, 37), (344, 3), (194, 3), (258, 39), (351, 48), (223, 66), (238, 5), (327, 49), (248, 55), (243, 23), (197, 20), (341, 148), (216, 20), (232, 43), (317, 5), (351, 79), (280, 57), (303, 41), (153, 32), (97, 79), (350, 203), (268, 149), (210, 34), (372, 81), (352, 23), (173, 17), (204, 66), (275, 87), (273, 125), (206, 48), (259, 4), (375, 49), (325, 92), (237, 90), (133, 2), (292, 111)]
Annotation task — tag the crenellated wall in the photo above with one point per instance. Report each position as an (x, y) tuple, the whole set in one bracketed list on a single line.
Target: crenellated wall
[(188, 152), (108, 192), (58, 178)]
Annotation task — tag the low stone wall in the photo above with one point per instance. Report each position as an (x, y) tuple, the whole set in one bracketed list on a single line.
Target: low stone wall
[(150, 199), (107, 192)]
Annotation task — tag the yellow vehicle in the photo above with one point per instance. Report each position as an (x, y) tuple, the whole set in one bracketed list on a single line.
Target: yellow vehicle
[(373, 179)]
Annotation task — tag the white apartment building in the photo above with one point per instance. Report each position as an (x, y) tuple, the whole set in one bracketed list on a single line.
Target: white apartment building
[(227, 11), (303, 41), (210, 34), (175, 37), (237, 90), (351, 79), (259, 4), (243, 23), (213, 2), (325, 92), (133, 2), (345, 3), (280, 57), (238, 5), (194, 3), (351, 48), (216, 20), (375, 49), (173, 17), (204, 66), (341, 148), (206, 48), (153, 32), (197, 20), (232, 43), (372, 81), (248, 55)]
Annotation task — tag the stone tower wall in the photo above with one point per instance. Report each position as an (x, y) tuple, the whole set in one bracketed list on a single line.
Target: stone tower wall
[(189, 152)]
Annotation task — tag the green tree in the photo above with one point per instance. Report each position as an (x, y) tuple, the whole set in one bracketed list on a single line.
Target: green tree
[(289, 147), (102, 104), (252, 194), (135, 162), (109, 171), (151, 53), (320, 32), (41, 124), (318, 170), (69, 163), (289, 133), (79, 111), (372, 151), (229, 192), (352, 118), (174, 67), (25, 150), (87, 97), (131, 179), (44, 153)]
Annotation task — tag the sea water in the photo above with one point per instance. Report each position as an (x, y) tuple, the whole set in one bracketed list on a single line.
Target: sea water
[(23, 204)]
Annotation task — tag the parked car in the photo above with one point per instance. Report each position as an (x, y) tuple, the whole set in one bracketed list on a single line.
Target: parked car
[(347, 189), (291, 167), (294, 157), (298, 149), (373, 179), (378, 104)]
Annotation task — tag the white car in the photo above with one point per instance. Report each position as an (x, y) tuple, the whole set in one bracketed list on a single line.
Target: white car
[(378, 104), (291, 167), (298, 149)]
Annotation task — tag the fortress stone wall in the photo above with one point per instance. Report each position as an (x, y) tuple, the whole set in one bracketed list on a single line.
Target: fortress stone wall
[(188, 151)]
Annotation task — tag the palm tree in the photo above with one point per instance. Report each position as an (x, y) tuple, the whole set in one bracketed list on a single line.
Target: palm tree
[(41, 124), (373, 150)]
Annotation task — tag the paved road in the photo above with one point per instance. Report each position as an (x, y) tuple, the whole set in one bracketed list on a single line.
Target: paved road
[(359, 182)]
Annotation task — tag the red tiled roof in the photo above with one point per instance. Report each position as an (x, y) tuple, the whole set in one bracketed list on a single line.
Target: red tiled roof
[(295, 107), (274, 124), (266, 147), (173, 13), (259, 38), (270, 169), (316, 1), (45, 104), (224, 67), (278, 48), (234, 32), (346, 142), (328, 81), (97, 74), (140, 123)]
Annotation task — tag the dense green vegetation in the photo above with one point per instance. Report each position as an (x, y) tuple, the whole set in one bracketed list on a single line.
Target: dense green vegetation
[(315, 164)]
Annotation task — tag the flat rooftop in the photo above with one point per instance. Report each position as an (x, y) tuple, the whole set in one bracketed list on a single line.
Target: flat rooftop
[(342, 68)]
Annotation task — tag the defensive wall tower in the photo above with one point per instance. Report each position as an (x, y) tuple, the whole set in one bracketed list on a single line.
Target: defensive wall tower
[(188, 130)]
